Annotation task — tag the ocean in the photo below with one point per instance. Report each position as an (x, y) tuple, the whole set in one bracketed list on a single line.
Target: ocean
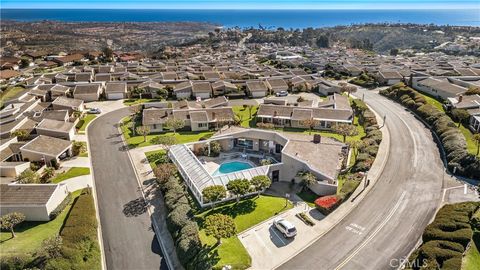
[(269, 19)]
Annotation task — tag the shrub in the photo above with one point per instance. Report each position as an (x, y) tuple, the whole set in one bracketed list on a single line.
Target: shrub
[(265, 125), (187, 248), (215, 149), (78, 147), (178, 218), (305, 218), (348, 187), (327, 204), (214, 193), (59, 209), (164, 171)]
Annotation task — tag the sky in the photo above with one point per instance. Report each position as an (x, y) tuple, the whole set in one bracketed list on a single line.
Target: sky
[(243, 4)]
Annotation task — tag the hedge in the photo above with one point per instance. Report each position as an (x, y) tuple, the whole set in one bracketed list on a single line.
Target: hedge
[(451, 138), (80, 249), (446, 238), (59, 209)]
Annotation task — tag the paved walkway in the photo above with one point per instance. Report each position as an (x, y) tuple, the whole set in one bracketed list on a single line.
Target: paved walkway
[(76, 162), (155, 202), (269, 249), (79, 182)]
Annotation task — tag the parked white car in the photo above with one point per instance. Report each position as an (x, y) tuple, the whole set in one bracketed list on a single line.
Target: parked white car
[(285, 227), (94, 111), (282, 94)]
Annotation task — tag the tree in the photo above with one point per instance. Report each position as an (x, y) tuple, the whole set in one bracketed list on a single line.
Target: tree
[(108, 54), (460, 115), (345, 130), (164, 171), (473, 90), (52, 246), (348, 89), (394, 51), (308, 179), (24, 62), (27, 177), (476, 138), (220, 226), (310, 124), (214, 193), (238, 187), (261, 182), (10, 220), (48, 173), (21, 134), (162, 93), (323, 41), (138, 91), (144, 131), (174, 124), (135, 109), (78, 147)]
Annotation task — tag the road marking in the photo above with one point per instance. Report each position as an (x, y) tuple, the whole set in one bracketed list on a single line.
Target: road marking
[(464, 188), (384, 222), (355, 228), (281, 239)]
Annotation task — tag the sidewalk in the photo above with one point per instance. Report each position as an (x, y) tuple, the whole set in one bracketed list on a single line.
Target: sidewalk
[(156, 206), (79, 182), (269, 249)]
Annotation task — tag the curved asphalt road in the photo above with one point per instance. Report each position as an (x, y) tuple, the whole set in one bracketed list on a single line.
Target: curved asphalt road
[(389, 221), (128, 240)]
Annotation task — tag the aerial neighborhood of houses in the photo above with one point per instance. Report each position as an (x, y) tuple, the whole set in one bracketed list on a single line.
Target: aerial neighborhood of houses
[(236, 114)]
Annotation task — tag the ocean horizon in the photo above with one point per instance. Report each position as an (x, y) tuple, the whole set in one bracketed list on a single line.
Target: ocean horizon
[(269, 19)]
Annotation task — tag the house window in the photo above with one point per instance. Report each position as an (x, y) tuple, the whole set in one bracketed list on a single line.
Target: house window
[(202, 125), (154, 126)]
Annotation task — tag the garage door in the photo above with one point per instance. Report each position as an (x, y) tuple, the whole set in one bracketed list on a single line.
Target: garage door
[(115, 96)]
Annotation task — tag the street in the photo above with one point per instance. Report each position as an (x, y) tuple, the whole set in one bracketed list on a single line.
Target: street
[(128, 239)]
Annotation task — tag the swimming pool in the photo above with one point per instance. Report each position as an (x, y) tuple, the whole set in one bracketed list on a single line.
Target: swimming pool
[(232, 166)]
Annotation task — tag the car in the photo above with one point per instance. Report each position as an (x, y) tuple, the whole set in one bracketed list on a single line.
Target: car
[(282, 94), (94, 111), (285, 227)]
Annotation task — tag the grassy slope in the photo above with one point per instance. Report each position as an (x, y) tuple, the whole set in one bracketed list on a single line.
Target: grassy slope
[(181, 136), (30, 235), (10, 93), (246, 214), (72, 172), (86, 120), (471, 145), (471, 260)]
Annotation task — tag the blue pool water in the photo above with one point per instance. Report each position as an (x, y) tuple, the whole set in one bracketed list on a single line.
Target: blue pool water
[(232, 166)]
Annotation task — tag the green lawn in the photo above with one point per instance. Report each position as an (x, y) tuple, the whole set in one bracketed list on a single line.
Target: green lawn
[(308, 196), (151, 161), (133, 101), (83, 123), (30, 235), (72, 172), (247, 121), (471, 144), (246, 214), (471, 260), (180, 136), (10, 93), (358, 137)]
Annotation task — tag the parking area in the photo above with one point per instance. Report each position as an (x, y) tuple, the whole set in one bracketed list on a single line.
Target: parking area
[(269, 248)]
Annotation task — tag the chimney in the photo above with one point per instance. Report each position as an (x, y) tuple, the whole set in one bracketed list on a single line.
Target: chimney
[(460, 98)]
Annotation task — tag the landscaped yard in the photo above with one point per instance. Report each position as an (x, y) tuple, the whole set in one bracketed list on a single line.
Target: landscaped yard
[(83, 123), (151, 154), (246, 214), (471, 260), (84, 153), (180, 136), (247, 121), (10, 93), (308, 196), (133, 101), (30, 235), (72, 172), (471, 145)]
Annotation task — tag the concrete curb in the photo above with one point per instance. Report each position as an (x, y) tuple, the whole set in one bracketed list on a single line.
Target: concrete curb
[(157, 230), (94, 189), (360, 193)]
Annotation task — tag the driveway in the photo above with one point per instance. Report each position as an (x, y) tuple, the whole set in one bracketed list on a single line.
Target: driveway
[(268, 247), (389, 221), (128, 239)]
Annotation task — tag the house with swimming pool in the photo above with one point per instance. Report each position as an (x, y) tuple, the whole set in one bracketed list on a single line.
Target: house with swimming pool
[(245, 153)]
